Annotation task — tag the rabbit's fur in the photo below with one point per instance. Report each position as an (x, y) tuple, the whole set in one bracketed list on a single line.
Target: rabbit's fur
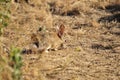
[(47, 39)]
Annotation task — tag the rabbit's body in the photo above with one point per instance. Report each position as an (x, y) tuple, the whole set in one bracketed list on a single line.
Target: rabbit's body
[(48, 40)]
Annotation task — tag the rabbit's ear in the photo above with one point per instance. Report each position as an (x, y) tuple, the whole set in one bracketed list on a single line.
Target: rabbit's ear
[(61, 31)]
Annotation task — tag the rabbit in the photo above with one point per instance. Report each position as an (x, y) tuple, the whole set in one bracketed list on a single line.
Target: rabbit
[(48, 40)]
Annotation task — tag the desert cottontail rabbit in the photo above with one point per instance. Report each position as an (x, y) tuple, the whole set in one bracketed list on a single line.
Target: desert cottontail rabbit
[(48, 39)]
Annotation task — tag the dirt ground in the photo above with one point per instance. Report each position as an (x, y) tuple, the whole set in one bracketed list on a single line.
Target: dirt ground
[(91, 41)]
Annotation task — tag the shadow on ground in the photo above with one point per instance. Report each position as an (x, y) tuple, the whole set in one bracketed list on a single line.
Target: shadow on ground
[(114, 9)]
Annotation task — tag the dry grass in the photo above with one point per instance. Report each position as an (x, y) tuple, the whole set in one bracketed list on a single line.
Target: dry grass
[(5, 69), (90, 42)]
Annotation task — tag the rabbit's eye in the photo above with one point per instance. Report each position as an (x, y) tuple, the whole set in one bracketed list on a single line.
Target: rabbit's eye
[(40, 29)]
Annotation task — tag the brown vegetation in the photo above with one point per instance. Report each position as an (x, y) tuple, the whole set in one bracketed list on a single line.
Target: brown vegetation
[(64, 39)]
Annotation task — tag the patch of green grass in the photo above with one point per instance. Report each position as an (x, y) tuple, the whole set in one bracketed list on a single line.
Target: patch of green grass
[(4, 14), (16, 63), (10, 66)]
